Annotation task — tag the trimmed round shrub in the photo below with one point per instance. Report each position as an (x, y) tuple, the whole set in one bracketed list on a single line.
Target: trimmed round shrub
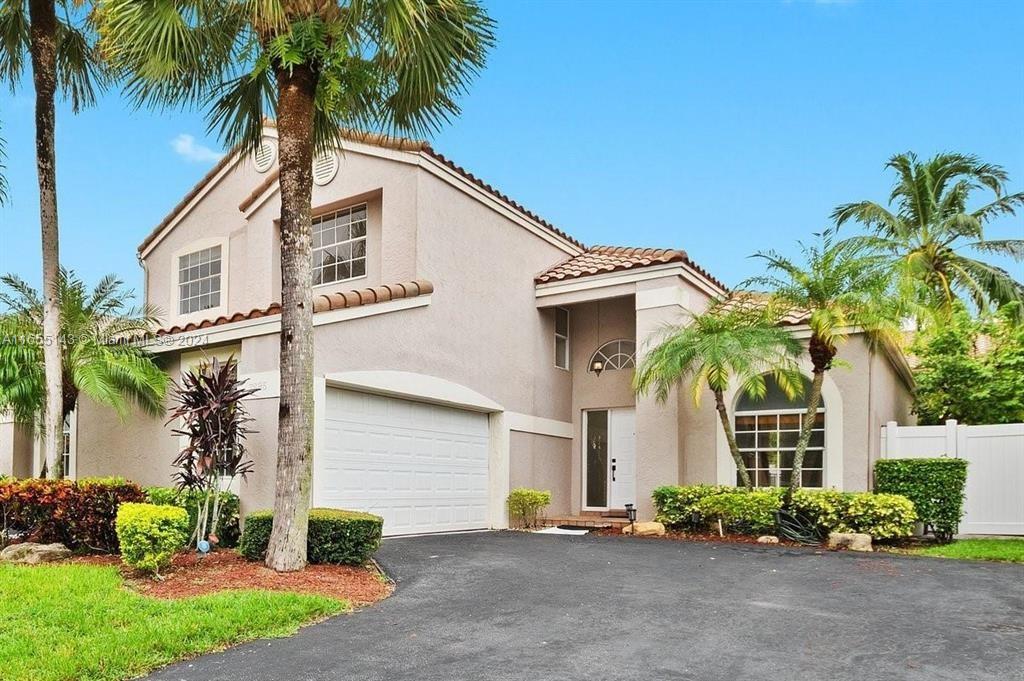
[(335, 536), (741, 511), (883, 516), (228, 530), (79, 514), (150, 535), (525, 505), (674, 505), (935, 486)]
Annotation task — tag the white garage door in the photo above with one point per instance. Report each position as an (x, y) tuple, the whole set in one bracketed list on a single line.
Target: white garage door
[(422, 467)]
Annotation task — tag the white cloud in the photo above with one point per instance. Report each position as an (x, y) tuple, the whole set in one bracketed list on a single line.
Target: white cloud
[(187, 147)]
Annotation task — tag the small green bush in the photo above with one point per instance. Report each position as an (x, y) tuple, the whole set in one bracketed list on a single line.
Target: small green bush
[(935, 486), (741, 511), (335, 536), (228, 530), (674, 505), (525, 505), (150, 535)]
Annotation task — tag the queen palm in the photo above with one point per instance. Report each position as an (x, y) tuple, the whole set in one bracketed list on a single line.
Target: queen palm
[(736, 341), (99, 362), (928, 228), (320, 67), (839, 288), (60, 47)]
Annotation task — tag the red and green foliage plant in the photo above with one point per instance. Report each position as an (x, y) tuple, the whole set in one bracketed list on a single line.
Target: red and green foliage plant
[(208, 405), (79, 514)]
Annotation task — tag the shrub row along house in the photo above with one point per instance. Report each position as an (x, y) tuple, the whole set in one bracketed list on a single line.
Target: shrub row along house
[(463, 347)]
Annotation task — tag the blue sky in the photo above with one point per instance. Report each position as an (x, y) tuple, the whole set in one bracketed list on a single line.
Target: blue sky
[(722, 128)]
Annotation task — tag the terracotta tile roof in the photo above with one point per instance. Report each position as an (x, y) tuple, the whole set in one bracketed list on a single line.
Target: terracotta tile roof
[(749, 299), (603, 259), (321, 303)]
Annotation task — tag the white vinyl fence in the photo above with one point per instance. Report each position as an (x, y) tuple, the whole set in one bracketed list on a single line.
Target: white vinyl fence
[(994, 499)]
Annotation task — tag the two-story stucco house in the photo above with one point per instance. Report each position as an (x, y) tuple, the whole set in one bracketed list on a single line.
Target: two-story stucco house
[(464, 346)]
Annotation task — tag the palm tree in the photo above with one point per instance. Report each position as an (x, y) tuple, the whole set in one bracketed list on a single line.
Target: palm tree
[(737, 340), (99, 360), (321, 68), (60, 49), (839, 288), (930, 226)]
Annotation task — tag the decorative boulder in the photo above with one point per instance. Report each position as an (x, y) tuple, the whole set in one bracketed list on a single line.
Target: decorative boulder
[(854, 541), (651, 529), (767, 539), (31, 553)]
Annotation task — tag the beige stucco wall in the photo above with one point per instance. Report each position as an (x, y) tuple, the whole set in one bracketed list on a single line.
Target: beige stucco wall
[(15, 448), (542, 462)]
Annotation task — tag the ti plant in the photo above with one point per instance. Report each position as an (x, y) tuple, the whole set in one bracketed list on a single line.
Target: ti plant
[(208, 406)]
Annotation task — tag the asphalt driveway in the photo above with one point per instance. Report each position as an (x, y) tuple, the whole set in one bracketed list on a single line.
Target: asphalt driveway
[(497, 606)]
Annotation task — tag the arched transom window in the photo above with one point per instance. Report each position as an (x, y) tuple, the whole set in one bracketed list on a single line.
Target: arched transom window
[(616, 354), (767, 431)]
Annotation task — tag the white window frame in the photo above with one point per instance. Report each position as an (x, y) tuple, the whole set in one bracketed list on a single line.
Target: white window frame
[(70, 442), (565, 337), (365, 239), (210, 312), (784, 412), (628, 363)]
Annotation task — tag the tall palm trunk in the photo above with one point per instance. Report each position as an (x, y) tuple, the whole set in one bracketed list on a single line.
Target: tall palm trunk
[(822, 355), (287, 548), (43, 48), (730, 437)]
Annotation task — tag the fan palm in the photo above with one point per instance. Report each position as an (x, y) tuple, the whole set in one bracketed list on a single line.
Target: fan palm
[(99, 362), (736, 340), (928, 226), (840, 288), (60, 48), (320, 67)]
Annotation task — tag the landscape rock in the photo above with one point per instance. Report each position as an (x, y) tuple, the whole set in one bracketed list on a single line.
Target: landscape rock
[(767, 539), (649, 529), (853, 541), (31, 553)]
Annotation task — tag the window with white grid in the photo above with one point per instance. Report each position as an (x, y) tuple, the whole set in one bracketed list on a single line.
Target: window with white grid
[(767, 431), (339, 245), (199, 280)]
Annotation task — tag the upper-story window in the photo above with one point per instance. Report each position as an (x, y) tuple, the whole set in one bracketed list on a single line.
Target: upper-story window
[(199, 280), (561, 338), (339, 245)]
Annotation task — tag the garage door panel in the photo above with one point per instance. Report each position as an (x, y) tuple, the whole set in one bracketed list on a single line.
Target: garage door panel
[(422, 467)]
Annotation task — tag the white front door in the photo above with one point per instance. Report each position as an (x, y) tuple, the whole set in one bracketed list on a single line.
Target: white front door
[(623, 458), (609, 458)]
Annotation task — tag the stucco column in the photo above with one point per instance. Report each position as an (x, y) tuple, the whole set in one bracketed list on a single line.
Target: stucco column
[(658, 302)]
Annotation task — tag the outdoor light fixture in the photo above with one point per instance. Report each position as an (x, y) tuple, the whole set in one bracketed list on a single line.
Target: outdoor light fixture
[(631, 514), (597, 366)]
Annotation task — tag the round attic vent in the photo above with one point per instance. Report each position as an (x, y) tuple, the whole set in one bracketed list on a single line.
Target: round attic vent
[(325, 167), (263, 157)]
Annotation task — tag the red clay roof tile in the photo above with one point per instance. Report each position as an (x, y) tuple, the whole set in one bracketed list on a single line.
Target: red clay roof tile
[(603, 259)]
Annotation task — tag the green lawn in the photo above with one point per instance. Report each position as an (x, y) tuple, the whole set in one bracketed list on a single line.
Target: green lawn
[(79, 622), (1011, 550)]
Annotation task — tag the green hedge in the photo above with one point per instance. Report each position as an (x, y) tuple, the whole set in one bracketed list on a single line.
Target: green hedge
[(700, 507), (228, 531), (674, 505), (936, 486), (150, 535), (335, 536)]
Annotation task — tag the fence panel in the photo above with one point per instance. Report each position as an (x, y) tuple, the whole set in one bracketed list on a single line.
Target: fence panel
[(994, 497)]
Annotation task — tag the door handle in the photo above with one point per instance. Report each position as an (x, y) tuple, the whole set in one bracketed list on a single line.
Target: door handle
[(613, 472)]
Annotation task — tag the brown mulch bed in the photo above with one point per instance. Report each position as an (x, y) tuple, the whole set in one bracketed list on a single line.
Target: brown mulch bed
[(675, 535), (226, 570)]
